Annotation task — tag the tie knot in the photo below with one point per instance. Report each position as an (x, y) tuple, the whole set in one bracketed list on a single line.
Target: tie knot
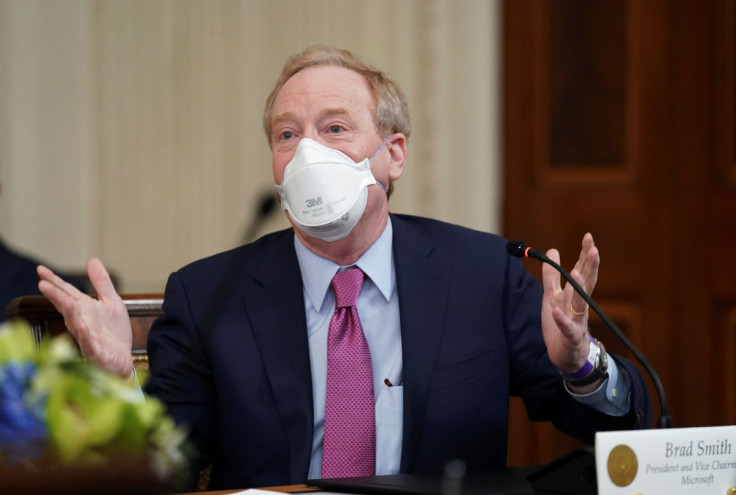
[(347, 286)]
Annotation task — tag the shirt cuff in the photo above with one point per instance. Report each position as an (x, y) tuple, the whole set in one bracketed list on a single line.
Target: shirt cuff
[(613, 395), (136, 386)]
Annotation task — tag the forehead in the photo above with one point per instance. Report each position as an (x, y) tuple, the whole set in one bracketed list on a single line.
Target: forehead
[(323, 87)]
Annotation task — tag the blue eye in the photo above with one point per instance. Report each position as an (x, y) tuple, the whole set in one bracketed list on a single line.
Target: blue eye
[(335, 129), (287, 135)]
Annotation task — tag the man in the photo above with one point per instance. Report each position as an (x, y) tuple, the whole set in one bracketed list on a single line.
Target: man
[(453, 324)]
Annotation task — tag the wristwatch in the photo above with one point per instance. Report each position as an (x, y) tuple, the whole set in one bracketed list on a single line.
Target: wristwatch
[(594, 369)]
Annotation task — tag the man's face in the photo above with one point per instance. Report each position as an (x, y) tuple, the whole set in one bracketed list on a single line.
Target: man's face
[(330, 105)]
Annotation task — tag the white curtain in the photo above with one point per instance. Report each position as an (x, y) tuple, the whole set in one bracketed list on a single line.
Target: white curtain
[(131, 130)]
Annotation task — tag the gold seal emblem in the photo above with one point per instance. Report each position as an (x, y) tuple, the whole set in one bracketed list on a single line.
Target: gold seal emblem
[(622, 465)]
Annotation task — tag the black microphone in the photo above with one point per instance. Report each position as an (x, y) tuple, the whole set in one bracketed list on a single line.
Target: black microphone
[(266, 205), (521, 250)]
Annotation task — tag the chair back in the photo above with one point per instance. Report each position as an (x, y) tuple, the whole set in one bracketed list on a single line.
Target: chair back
[(44, 319)]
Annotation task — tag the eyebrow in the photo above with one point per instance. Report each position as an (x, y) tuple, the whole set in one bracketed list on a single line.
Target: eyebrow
[(282, 117), (290, 116), (330, 112)]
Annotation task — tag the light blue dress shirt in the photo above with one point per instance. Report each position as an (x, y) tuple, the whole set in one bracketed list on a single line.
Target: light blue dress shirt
[(378, 310)]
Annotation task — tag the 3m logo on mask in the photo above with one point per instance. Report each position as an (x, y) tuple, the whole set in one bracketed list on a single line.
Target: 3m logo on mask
[(311, 203)]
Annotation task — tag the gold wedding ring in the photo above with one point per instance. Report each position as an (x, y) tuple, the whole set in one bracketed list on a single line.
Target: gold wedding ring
[(579, 313)]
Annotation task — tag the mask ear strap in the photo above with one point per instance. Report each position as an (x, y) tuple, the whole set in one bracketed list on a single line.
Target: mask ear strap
[(374, 155), (380, 146)]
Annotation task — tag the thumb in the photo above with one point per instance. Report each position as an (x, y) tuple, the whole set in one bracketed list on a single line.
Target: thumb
[(100, 279)]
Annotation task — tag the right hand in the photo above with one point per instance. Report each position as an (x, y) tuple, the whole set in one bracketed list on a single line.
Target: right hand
[(101, 326)]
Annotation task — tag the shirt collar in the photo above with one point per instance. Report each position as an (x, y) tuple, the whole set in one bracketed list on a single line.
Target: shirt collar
[(376, 263)]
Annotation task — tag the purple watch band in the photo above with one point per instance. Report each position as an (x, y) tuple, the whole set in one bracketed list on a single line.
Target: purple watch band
[(584, 370)]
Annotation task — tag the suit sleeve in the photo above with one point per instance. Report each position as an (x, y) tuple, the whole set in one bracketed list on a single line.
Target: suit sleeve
[(180, 375)]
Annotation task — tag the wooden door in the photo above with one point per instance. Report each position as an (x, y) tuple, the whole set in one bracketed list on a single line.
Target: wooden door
[(619, 120)]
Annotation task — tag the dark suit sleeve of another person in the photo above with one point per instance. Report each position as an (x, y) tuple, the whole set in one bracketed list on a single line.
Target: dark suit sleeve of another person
[(18, 277)]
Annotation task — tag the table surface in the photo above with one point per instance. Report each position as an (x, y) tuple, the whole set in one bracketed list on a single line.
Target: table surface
[(279, 489)]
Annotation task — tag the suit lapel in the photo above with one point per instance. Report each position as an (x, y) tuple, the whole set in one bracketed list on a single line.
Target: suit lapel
[(422, 282), (274, 302)]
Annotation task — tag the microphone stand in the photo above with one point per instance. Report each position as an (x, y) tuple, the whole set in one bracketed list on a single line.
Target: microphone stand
[(266, 205)]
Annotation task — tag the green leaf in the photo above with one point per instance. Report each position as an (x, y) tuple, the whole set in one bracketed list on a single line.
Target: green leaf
[(91, 415), (17, 343)]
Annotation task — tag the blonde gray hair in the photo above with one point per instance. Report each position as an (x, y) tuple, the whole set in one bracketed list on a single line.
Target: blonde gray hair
[(390, 110)]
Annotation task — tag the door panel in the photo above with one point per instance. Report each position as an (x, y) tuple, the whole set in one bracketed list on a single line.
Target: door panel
[(619, 120)]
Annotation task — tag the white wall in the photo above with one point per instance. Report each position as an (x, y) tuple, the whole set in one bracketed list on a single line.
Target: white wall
[(132, 130)]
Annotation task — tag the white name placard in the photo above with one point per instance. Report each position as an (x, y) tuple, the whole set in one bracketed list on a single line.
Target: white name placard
[(673, 461)]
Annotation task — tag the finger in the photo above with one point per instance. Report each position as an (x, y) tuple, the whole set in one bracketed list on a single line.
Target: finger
[(100, 279), (49, 276), (586, 245), (550, 276), (590, 273), (44, 272), (588, 263), (590, 252), (53, 294), (66, 305), (578, 305), (589, 268)]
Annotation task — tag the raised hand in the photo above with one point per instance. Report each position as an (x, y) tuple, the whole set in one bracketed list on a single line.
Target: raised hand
[(564, 312), (101, 326)]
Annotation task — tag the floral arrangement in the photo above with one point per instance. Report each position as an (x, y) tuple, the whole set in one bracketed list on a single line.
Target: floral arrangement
[(57, 409)]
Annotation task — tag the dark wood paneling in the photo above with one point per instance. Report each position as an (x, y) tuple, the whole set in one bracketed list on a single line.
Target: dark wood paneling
[(706, 206), (724, 404), (587, 83), (725, 81), (723, 353), (645, 159)]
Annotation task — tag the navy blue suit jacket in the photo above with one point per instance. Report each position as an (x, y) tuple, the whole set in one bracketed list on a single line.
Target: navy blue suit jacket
[(230, 356)]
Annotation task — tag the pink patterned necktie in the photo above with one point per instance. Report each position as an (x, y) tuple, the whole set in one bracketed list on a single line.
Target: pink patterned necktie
[(349, 447)]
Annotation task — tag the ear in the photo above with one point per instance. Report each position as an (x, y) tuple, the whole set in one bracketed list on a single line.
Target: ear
[(397, 149)]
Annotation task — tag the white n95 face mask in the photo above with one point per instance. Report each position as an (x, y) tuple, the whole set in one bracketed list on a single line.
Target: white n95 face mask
[(324, 190)]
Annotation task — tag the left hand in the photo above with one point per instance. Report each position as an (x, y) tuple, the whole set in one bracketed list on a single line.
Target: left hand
[(565, 333), (100, 326)]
